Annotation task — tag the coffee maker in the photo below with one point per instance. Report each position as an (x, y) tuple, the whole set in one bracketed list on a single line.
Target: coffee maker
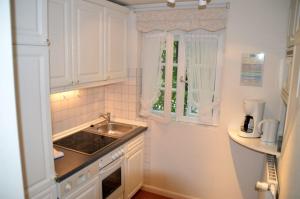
[(254, 111)]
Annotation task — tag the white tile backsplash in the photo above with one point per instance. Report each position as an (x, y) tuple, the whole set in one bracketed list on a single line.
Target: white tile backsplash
[(120, 99), (73, 110)]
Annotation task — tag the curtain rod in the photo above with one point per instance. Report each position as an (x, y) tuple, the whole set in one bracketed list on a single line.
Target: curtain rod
[(179, 5)]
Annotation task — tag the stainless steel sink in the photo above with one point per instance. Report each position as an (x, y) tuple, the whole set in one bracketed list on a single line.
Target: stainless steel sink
[(111, 129)]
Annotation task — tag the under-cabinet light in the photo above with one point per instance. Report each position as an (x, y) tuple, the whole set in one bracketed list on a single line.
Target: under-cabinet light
[(171, 3), (65, 95), (201, 3)]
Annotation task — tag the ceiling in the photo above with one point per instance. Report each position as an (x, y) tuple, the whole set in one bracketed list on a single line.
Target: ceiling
[(139, 2)]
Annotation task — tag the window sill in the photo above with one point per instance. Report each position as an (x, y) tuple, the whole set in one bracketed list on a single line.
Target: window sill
[(159, 117)]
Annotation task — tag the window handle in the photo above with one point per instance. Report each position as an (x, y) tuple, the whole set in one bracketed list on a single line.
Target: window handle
[(182, 79)]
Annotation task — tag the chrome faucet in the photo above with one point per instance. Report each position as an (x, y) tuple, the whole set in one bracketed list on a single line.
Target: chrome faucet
[(106, 116)]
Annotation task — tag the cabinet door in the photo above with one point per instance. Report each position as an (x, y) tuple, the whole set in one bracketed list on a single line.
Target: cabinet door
[(134, 171), (34, 118), (297, 17), (290, 155), (88, 191), (47, 194), (116, 51), (30, 22), (60, 39), (88, 41)]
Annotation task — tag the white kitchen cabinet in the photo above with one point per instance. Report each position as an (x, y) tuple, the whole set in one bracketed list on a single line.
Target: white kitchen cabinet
[(134, 166), (88, 41), (61, 71), (76, 32), (294, 20), (88, 191), (30, 22), (32, 69), (49, 193), (116, 51)]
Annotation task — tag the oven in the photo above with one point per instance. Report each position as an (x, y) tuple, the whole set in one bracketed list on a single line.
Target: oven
[(111, 175)]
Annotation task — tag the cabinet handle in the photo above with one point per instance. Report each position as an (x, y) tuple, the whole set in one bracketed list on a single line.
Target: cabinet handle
[(77, 81)]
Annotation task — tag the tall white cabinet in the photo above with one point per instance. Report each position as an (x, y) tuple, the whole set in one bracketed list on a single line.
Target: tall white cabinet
[(32, 81), (30, 22)]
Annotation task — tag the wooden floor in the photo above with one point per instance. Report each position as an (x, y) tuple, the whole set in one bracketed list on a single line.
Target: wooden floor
[(146, 195)]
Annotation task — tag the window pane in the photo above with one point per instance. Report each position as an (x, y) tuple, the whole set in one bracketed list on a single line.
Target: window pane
[(163, 76), (186, 87), (163, 56), (175, 52), (173, 102), (159, 104), (188, 109), (174, 77)]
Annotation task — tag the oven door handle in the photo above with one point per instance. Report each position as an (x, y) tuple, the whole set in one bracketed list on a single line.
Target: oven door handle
[(112, 166)]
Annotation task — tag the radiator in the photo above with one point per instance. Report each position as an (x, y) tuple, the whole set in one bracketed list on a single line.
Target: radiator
[(268, 188)]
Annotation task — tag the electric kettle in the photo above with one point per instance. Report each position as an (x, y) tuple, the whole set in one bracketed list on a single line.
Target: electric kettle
[(268, 129)]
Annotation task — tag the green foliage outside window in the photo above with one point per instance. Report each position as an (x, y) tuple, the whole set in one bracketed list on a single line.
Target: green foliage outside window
[(159, 103)]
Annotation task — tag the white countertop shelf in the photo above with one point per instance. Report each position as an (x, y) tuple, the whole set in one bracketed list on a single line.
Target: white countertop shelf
[(253, 143)]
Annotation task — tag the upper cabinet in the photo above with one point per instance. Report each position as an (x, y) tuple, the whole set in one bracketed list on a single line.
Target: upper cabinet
[(30, 22), (116, 44), (61, 72), (88, 43), (294, 20)]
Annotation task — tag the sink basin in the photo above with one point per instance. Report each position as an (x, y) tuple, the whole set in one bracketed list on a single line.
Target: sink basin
[(112, 129)]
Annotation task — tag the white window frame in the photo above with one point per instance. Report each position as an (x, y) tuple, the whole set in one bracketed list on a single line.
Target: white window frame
[(181, 71)]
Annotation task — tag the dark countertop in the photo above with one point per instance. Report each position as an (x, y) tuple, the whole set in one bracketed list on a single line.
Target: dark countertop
[(74, 161)]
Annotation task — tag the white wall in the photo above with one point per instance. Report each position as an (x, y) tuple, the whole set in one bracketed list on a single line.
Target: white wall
[(202, 161), (11, 181)]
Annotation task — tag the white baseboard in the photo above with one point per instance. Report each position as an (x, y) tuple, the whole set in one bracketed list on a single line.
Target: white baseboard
[(166, 193)]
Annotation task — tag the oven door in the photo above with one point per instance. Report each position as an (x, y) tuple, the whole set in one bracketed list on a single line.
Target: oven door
[(112, 180)]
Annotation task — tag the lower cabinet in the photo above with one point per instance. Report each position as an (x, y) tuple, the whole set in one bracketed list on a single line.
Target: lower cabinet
[(49, 193), (134, 166), (88, 183), (88, 191), (32, 75)]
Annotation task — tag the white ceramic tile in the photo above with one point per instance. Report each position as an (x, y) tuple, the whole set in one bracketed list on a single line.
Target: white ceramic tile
[(56, 106), (132, 98), (132, 90)]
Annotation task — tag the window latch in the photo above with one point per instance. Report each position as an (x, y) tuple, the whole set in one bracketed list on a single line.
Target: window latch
[(182, 80)]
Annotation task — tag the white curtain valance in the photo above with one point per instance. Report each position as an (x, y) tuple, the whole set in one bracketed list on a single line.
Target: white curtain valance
[(210, 19)]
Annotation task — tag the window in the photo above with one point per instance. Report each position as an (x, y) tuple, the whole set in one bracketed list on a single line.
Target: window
[(189, 75), (159, 104)]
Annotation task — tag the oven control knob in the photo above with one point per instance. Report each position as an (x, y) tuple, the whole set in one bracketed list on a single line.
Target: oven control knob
[(114, 157), (68, 187)]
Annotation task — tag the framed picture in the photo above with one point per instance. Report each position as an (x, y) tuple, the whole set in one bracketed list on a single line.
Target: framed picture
[(252, 69)]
